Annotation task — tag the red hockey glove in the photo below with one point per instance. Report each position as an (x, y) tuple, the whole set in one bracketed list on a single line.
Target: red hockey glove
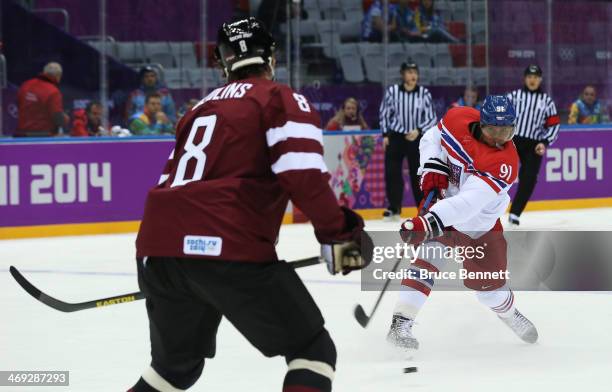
[(435, 175), (421, 228)]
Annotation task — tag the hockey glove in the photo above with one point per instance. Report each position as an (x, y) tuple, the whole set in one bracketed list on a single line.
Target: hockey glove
[(421, 228), (351, 254), (434, 176)]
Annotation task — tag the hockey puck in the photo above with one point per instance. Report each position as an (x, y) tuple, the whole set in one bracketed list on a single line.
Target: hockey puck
[(412, 369)]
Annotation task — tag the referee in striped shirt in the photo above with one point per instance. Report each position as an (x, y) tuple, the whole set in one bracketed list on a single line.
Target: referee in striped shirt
[(537, 126), (405, 113)]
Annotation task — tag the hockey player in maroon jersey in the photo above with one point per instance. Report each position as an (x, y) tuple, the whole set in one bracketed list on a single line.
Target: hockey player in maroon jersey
[(471, 161), (205, 248)]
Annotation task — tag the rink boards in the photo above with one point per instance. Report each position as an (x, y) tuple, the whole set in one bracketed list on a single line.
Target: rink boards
[(58, 186)]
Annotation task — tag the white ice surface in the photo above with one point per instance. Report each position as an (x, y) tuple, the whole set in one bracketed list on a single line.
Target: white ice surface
[(463, 346)]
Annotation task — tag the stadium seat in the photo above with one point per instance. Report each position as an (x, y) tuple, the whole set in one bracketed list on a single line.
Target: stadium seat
[(187, 59), (329, 37), (479, 32), (308, 28), (111, 47), (212, 75), (479, 56), (397, 55), (312, 9), (176, 78), (282, 75), (184, 54), (478, 11), (459, 54), (441, 55), (350, 62), (445, 10), (393, 76), (130, 52), (353, 10), (419, 53), (461, 77), (425, 76), (195, 77), (373, 61), (479, 76), (155, 47), (457, 29), (166, 60), (458, 11), (444, 76), (331, 9), (350, 30)]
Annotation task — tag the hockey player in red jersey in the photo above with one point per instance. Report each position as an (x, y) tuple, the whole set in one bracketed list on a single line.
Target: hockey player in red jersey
[(205, 248), (470, 160)]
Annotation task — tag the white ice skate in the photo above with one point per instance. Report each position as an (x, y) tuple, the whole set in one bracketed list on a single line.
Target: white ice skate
[(400, 334), (522, 327)]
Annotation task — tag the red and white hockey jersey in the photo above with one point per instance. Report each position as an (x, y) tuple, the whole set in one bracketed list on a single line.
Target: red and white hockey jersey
[(241, 153), (481, 176)]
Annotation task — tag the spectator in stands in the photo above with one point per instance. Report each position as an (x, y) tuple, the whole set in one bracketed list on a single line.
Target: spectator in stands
[(187, 106), (149, 83), (152, 120), (88, 121), (587, 109), (469, 98), (348, 118), (428, 25), (373, 24), (40, 103), (406, 28)]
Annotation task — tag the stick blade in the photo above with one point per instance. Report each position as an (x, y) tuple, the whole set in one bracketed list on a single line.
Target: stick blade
[(69, 306), (24, 283), (361, 317)]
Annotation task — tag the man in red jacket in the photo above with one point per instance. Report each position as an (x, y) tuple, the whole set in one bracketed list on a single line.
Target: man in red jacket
[(41, 111)]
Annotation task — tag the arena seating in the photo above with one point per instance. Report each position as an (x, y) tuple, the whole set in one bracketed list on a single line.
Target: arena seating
[(333, 29)]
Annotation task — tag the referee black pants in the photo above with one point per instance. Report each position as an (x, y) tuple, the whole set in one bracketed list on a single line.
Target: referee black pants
[(528, 173), (399, 149)]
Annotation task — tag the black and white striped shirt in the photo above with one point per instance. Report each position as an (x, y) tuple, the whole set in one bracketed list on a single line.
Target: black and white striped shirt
[(536, 115), (402, 111)]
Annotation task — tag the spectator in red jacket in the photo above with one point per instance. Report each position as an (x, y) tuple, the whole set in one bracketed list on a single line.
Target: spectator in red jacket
[(348, 118), (88, 121), (41, 111)]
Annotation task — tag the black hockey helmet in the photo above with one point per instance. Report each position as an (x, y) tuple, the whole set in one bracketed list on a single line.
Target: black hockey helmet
[(242, 43), (406, 65)]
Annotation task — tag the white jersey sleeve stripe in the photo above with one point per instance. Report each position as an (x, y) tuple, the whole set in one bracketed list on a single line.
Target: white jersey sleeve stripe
[(299, 161), (293, 129)]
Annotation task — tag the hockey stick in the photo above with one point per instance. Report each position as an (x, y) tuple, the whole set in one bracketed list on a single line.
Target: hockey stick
[(360, 315), (102, 302)]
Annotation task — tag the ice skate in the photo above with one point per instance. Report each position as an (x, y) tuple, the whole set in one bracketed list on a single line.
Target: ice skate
[(391, 216), (521, 326), (400, 334), (514, 220)]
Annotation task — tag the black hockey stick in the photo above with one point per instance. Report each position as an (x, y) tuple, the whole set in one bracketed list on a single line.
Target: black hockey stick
[(360, 315), (102, 302)]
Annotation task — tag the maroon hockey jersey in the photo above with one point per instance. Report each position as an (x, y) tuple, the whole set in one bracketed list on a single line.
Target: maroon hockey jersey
[(241, 153)]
